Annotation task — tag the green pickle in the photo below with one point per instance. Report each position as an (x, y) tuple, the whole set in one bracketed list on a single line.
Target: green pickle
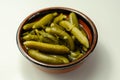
[(28, 26), (56, 26), (73, 19), (30, 37), (51, 59), (75, 55), (51, 48), (59, 18), (44, 20)]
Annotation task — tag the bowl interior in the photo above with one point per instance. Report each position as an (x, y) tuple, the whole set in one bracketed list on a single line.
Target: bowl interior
[(88, 26)]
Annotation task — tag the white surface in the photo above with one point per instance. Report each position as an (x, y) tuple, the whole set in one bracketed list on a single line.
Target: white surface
[(102, 64)]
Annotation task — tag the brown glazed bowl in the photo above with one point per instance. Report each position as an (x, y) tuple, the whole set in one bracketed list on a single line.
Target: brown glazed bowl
[(88, 26)]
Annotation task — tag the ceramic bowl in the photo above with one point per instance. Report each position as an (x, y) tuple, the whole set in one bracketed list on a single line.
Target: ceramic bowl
[(84, 20)]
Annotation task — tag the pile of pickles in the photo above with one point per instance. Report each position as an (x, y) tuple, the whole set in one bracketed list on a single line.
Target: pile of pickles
[(55, 38)]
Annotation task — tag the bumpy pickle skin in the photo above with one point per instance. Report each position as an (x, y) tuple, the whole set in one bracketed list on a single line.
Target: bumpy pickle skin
[(30, 37), (73, 19), (59, 18), (45, 37), (76, 32), (28, 26), (46, 47), (25, 33), (62, 34), (81, 38), (44, 57), (44, 20), (64, 59), (56, 26), (49, 37), (75, 55)]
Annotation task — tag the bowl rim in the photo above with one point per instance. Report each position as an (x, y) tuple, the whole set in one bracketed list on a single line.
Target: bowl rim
[(95, 37)]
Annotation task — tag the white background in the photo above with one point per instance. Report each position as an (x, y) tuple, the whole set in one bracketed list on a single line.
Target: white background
[(102, 64)]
